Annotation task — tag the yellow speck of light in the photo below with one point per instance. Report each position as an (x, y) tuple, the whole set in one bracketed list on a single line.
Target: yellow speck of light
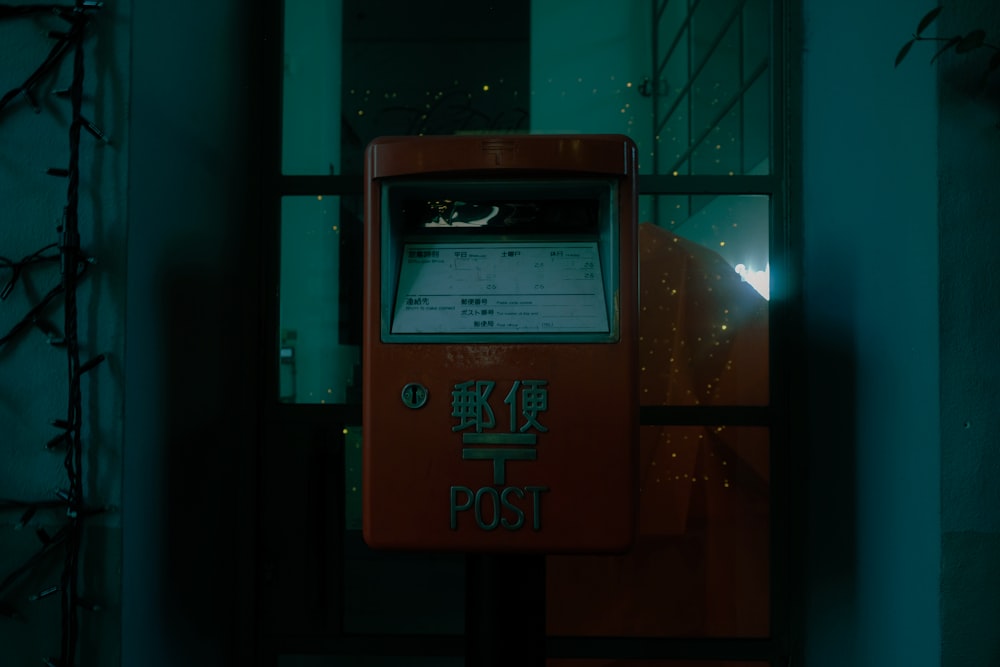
[(346, 431), (675, 173), (361, 112), (319, 197), (486, 88), (722, 244)]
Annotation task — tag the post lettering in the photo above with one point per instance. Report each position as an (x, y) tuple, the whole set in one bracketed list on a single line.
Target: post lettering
[(494, 507)]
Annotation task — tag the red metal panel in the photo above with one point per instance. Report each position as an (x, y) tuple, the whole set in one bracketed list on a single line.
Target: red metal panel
[(562, 477)]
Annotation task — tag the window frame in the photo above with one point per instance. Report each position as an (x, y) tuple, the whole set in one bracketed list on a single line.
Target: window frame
[(779, 416)]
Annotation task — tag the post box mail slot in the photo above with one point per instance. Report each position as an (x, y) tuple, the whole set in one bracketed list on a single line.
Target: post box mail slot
[(500, 336)]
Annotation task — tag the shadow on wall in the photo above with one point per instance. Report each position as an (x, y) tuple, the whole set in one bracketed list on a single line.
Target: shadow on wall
[(210, 436), (831, 496)]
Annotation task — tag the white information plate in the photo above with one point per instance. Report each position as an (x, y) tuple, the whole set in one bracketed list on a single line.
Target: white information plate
[(490, 287)]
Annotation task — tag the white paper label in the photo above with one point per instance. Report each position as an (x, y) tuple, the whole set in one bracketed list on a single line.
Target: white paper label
[(493, 287)]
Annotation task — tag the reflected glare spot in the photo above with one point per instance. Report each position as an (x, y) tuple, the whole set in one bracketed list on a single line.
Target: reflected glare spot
[(759, 280)]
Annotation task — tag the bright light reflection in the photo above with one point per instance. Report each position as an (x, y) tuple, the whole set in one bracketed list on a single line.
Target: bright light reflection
[(759, 280)]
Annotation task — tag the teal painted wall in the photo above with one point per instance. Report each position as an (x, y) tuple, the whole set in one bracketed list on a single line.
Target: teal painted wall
[(33, 374), (901, 523), (969, 147), (869, 203), (193, 339)]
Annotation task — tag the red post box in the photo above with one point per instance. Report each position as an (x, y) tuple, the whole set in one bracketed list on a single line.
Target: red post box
[(500, 407)]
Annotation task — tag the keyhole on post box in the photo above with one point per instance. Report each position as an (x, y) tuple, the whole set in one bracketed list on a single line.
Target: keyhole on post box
[(414, 395)]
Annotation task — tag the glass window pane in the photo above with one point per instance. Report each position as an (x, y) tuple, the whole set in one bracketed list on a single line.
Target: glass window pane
[(432, 67), (311, 106), (588, 63), (320, 301), (388, 592), (703, 310), (709, 118), (693, 94), (699, 566), (715, 94)]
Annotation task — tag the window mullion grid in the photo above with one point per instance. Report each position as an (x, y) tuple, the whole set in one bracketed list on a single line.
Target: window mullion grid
[(773, 649)]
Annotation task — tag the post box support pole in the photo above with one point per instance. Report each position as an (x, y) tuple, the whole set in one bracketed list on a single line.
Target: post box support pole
[(505, 610)]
